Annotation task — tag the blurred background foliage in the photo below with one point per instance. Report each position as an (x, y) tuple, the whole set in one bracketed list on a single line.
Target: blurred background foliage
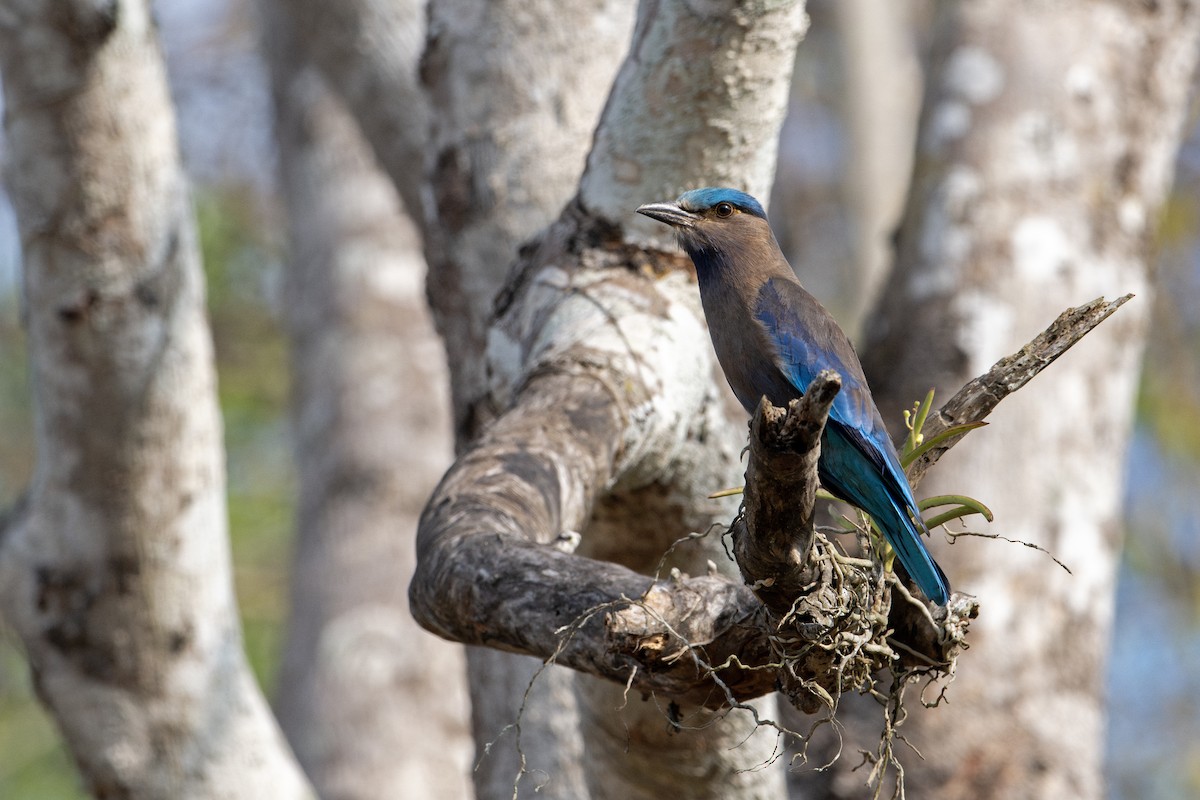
[(1154, 682)]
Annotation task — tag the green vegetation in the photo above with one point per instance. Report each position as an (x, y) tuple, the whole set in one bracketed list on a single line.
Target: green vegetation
[(16, 415), (1168, 413), (1169, 396)]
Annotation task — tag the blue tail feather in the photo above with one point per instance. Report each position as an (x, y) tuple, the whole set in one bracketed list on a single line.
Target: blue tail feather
[(880, 488), (903, 535)]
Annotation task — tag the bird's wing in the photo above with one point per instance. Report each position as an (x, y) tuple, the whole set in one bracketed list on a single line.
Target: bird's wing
[(807, 340), (858, 461)]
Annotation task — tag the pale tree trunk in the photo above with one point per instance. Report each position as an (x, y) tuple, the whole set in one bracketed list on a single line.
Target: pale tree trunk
[(667, 128), (375, 707), (515, 89), (1045, 153), (115, 568), (609, 420), (880, 106)]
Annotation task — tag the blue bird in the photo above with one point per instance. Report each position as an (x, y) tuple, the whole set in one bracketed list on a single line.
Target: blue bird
[(772, 338)]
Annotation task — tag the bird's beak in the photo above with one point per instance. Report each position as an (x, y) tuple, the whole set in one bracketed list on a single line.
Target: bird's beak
[(669, 213)]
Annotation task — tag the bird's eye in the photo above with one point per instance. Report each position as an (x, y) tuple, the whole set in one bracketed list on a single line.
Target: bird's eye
[(724, 210)]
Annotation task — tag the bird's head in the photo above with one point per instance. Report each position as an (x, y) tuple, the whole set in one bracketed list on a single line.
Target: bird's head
[(713, 221)]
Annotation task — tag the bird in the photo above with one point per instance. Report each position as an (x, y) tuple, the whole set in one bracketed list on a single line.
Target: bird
[(772, 337)]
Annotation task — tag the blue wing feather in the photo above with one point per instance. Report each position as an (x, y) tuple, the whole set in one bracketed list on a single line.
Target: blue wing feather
[(858, 462), (807, 340)]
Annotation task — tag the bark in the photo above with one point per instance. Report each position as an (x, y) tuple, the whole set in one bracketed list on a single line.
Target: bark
[(590, 336), (675, 121), (508, 141), (772, 539), (645, 474), (115, 569), (526, 725), (372, 428), (1045, 153), (659, 494), (485, 547)]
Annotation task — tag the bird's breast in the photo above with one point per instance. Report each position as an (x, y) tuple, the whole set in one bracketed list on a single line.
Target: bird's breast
[(744, 351)]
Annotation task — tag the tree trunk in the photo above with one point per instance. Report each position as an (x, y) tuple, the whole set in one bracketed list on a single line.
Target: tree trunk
[(674, 122), (516, 88), (115, 568), (1044, 156), (372, 428), (580, 343)]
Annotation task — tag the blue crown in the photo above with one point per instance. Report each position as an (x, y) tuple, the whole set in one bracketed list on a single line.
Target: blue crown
[(698, 200)]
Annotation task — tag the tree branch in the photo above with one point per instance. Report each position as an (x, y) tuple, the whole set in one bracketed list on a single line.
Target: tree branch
[(499, 160), (772, 539), (978, 398), (973, 403), (490, 573)]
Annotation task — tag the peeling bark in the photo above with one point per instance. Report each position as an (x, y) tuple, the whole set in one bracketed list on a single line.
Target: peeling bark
[(773, 538), (535, 476), (515, 88), (676, 121), (495, 565), (115, 570)]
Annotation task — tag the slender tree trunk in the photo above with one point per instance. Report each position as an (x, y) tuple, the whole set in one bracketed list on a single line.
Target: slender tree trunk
[(372, 433), (115, 569), (1045, 153), (368, 52), (659, 135), (880, 106)]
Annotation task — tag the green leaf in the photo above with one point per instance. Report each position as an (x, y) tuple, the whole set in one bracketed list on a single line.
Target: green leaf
[(964, 507), (910, 456), (915, 420)]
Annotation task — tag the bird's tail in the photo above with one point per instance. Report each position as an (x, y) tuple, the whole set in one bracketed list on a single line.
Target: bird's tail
[(903, 533)]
